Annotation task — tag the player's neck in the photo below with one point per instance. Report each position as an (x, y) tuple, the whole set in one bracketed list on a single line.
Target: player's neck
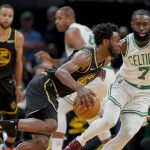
[(4, 33), (101, 53), (142, 43)]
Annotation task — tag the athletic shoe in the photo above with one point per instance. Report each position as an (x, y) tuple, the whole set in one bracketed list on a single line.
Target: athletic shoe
[(73, 145)]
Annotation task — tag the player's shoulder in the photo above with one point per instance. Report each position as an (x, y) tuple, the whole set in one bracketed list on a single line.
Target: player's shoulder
[(84, 52), (87, 48), (72, 31), (18, 34), (74, 27), (19, 38)]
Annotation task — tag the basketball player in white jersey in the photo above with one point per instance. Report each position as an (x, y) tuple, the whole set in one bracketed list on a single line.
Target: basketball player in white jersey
[(129, 95), (76, 36)]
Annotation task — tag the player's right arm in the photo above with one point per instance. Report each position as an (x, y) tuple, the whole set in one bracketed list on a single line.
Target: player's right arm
[(64, 72), (44, 56), (74, 39)]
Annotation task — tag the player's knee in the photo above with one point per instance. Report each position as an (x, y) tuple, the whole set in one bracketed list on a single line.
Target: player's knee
[(42, 142), (128, 134), (51, 126), (110, 123)]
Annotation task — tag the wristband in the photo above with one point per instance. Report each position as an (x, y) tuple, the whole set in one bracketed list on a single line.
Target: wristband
[(18, 87)]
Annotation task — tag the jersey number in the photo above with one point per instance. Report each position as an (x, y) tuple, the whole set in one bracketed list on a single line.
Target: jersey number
[(91, 40), (144, 72)]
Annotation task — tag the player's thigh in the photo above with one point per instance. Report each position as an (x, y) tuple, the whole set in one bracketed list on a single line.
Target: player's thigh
[(138, 105)]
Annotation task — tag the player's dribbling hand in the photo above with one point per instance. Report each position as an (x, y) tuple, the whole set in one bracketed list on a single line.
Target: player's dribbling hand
[(85, 97)]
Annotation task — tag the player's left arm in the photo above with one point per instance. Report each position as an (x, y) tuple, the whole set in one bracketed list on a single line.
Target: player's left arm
[(64, 72), (81, 60), (19, 41)]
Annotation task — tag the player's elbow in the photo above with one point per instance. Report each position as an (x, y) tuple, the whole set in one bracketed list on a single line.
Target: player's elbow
[(59, 72)]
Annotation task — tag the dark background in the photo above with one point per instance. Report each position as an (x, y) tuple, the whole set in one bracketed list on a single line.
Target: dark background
[(88, 12)]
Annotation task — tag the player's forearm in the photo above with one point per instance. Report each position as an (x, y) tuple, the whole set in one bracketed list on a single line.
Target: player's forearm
[(66, 79), (18, 73), (54, 62)]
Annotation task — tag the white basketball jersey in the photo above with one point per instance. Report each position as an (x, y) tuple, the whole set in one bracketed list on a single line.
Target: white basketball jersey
[(136, 63), (86, 34)]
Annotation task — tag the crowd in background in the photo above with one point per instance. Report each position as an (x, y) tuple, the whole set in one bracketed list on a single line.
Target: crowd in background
[(52, 42)]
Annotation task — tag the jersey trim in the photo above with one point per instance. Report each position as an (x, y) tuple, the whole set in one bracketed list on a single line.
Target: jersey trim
[(34, 111), (45, 73), (45, 89), (15, 43), (10, 113), (112, 98), (55, 88), (5, 40), (142, 87), (108, 67), (127, 48), (97, 66), (89, 64), (142, 114)]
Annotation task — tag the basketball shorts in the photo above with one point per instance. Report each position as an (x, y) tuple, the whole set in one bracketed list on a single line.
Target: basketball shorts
[(41, 98), (8, 104), (130, 99)]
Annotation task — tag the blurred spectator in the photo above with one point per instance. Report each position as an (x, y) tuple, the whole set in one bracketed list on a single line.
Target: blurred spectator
[(33, 43), (123, 30), (54, 39)]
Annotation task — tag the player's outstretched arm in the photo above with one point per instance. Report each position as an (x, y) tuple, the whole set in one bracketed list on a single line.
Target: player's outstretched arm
[(44, 56)]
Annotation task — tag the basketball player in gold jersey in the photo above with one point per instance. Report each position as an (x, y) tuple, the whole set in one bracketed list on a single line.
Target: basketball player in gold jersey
[(11, 47), (44, 89)]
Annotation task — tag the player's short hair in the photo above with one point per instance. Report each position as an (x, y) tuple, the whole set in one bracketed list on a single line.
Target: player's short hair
[(141, 12), (68, 11), (6, 6), (104, 31)]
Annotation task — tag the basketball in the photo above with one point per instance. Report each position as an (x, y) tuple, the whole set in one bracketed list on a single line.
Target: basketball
[(84, 113)]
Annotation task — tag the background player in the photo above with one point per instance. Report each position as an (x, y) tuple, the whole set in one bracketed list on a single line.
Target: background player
[(11, 47), (68, 77)]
